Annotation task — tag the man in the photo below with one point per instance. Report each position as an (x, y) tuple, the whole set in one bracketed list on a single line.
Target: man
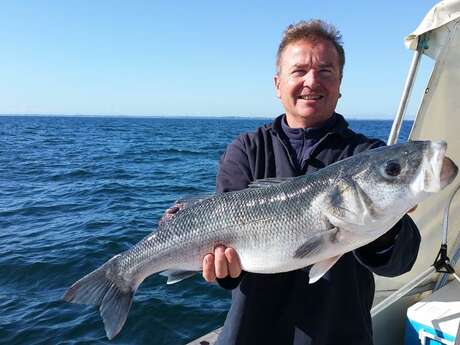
[(283, 308)]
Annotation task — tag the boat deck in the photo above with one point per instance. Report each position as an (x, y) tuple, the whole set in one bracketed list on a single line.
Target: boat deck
[(207, 339)]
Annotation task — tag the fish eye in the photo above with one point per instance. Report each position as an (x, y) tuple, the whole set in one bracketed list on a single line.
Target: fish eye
[(393, 168)]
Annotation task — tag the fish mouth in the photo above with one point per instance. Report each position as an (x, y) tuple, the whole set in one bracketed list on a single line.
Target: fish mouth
[(448, 171), (441, 169)]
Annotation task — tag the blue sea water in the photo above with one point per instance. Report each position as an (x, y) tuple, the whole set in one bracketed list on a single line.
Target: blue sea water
[(74, 191)]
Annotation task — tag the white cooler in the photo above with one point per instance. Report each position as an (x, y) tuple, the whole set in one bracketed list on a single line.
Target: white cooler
[(435, 320)]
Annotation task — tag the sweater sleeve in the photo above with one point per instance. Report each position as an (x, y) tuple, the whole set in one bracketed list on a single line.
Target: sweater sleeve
[(395, 252), (399, 257), (234, 174)]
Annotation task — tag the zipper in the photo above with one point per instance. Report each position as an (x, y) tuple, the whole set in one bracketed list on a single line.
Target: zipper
[(315, 151), (288, 153)]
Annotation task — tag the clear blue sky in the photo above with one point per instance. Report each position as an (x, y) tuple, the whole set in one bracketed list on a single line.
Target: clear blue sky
[(191, 57)]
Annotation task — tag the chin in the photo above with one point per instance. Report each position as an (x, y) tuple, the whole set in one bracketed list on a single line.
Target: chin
[(312, 115)]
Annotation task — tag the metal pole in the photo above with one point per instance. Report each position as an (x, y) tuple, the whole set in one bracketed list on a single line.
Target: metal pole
[(404, 98), (457, 337), (404, 290), (446, 214), (424, 275), (408, 86), (442, 280)]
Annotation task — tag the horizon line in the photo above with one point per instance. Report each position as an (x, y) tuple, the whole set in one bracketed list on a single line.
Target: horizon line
[(379, 118)]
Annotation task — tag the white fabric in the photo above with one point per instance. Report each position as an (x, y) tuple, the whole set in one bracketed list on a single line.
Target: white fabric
[(438, 118), (444, 12)]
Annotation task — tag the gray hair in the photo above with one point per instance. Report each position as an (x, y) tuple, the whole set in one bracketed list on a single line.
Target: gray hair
[(311, 30)]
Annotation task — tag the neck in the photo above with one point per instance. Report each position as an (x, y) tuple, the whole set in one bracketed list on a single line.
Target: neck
[(296, 122)]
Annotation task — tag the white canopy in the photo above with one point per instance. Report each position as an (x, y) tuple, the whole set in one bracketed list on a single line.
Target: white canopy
[(443, 13), (438, 118)]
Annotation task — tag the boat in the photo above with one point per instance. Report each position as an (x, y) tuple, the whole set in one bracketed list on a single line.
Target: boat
[(437, 37), (438, 218)]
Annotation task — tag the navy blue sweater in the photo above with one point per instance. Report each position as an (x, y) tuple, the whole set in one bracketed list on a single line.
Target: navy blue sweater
[(283, 308)]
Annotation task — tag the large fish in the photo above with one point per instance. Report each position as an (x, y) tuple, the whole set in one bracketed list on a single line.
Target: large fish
[(276, 225)]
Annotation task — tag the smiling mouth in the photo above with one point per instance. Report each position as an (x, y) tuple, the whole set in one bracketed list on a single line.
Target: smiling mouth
[(310, 97)]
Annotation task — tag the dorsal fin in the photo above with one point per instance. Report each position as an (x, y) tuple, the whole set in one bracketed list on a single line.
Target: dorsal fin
[(270, 181)]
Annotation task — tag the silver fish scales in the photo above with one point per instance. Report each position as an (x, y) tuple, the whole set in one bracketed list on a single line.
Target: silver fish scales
[(276, 225)]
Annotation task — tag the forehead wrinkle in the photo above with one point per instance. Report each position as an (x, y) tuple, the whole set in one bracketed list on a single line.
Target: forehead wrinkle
[(313, 61), (326, 64), (301, 65), (310, 59)]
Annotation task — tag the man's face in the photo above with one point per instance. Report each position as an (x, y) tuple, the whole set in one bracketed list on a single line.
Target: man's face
[(308, 82)]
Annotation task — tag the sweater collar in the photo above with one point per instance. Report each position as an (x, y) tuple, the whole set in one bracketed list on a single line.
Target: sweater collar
[(308, 133), (335, 124)]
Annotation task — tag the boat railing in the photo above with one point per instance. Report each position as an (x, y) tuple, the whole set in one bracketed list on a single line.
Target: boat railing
[(442, 264)]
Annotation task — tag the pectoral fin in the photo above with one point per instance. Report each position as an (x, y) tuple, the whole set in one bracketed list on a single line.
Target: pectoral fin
[(308, 248), (315, 244), (320, 268), (175, 276)]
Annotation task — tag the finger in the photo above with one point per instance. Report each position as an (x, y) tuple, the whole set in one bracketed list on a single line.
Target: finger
[(209, 273), (412, 209), (220, 262), (234, 266)]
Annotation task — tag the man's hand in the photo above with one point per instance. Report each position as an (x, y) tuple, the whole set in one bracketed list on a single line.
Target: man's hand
[(223, 263)]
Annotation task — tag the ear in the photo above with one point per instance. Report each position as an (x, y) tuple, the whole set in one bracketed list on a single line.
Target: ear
[(276, 83)]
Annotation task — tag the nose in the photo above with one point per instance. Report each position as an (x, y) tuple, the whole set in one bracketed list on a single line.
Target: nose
[(311, 79)]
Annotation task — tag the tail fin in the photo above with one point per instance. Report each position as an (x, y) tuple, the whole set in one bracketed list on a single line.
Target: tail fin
[(98, 289)]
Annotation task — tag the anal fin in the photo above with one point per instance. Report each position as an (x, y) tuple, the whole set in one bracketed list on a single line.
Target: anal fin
[(320, 268), (175, 276)]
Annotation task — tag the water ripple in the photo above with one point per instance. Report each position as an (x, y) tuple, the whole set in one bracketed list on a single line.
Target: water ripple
[(76, 191)]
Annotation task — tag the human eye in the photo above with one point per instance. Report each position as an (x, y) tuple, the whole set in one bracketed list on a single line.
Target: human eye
[(298, 72), (326, 71)]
